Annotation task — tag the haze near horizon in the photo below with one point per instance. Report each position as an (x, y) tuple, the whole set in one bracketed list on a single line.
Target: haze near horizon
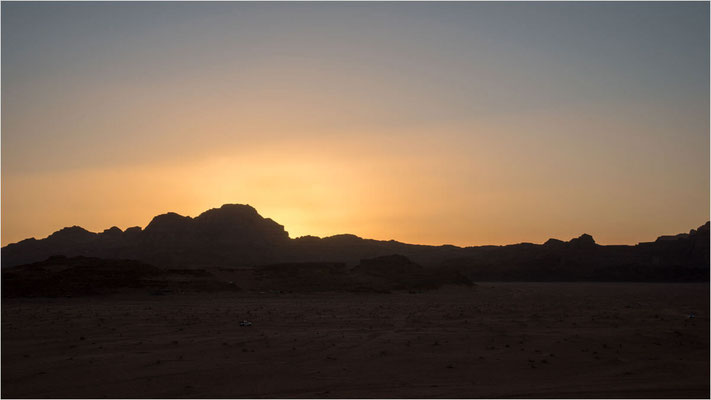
[(427, 123)]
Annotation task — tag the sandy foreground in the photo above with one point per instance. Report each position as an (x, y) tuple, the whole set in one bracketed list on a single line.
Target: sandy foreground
[(492, 340)]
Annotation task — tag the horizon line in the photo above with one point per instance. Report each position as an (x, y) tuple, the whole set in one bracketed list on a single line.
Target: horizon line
[(344, 234)]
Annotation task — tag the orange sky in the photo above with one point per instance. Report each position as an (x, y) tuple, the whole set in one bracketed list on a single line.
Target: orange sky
[(421, 123)]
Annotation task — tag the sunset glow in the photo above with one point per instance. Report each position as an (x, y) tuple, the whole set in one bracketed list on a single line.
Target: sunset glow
[(424, 123)]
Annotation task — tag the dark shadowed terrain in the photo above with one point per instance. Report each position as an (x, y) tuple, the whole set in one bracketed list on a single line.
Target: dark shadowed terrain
[(490, 340), (158, 312)]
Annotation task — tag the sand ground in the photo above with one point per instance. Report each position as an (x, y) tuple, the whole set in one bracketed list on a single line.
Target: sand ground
[(492, 340)]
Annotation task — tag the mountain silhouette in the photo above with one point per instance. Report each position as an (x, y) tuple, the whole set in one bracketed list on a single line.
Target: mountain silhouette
[(236, 235)]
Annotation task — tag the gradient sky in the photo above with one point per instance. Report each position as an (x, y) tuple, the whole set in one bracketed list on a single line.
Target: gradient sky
[(460, 123)]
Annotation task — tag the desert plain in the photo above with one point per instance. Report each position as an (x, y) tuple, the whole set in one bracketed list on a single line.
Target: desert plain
[(561, 339)]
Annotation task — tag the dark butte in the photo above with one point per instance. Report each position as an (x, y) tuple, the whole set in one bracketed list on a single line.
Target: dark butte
[(236, 235)]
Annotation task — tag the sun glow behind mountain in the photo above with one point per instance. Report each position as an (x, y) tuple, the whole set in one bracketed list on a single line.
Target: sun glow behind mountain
[(456, 123)]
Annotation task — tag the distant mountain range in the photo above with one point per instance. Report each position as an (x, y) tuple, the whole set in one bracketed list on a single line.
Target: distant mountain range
[(236, 235)]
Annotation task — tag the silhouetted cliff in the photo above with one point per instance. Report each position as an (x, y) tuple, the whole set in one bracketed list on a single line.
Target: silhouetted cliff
[(231, 234), (236, 235)]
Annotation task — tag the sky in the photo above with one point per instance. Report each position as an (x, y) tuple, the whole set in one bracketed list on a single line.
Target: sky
[(430, 123)]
